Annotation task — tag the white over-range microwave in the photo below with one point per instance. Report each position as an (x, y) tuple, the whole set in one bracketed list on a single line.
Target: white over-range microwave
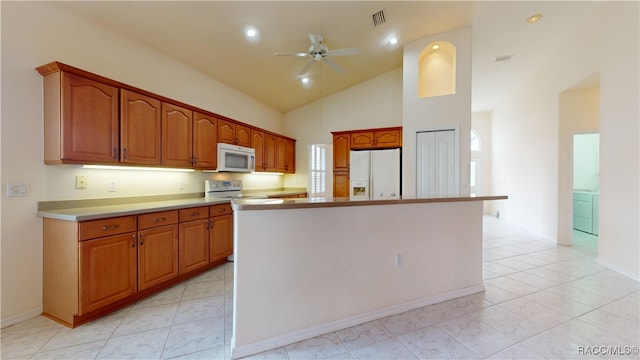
[(234, 158)]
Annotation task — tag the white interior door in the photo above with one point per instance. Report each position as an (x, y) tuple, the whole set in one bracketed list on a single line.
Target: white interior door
[(436, 159)]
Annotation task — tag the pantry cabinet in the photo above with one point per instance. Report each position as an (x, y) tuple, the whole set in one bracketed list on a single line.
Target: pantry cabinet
[(369, 139), (140, 129)]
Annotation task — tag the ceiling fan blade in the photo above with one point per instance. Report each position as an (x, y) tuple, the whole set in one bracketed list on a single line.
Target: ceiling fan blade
[(343, 52), (306, 67), (291, 54), (335, 66), (315, 39)]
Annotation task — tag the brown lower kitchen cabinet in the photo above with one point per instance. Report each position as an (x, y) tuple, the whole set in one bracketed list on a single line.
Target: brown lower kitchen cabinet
[(157, 248), (220, 232), (194, 239), (93, 267)]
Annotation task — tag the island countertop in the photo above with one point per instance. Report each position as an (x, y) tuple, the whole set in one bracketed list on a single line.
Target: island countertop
[(323, 202)]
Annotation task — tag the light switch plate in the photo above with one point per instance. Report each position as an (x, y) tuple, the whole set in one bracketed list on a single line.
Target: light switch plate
[(17, 189)]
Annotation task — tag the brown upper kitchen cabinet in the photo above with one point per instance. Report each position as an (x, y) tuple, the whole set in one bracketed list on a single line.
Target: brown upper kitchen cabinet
[(81, 118), (205, 134), (257, 143), (177, 136), (140, 129), (290, 157), (234, 133), (376, 139)]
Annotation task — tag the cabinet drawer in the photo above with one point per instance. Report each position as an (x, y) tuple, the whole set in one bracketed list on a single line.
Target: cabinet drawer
[(106, 227), (222, 209), (195, 213), (157, 219)]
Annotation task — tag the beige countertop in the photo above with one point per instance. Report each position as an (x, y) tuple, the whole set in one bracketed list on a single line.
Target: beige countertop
[(91, 209), (284, 204)]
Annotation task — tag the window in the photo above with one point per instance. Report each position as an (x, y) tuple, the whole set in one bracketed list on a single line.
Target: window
[(318, 170), (475, 141)]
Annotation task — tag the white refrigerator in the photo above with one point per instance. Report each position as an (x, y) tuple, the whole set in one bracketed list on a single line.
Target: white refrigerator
[(374, 174)]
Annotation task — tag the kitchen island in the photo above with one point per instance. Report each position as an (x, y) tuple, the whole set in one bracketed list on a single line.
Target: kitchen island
[(306, 267)]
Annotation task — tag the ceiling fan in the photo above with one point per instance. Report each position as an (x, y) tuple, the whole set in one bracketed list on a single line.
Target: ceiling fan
[(319, 52)]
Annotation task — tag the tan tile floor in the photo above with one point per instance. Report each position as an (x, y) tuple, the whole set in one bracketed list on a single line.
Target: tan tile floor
[(542, 301)]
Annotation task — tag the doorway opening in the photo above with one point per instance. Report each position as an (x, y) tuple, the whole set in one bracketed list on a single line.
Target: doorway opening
[(586, 172)]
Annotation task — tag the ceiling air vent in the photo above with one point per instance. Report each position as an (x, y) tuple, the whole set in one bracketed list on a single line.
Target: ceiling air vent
[(378, 18)]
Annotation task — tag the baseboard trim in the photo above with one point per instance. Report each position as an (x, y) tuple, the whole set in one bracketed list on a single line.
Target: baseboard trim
[(290, 338), (618, 269), (20, 317)]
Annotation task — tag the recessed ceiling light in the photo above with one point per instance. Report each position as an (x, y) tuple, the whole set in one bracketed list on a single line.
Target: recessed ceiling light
[(393, 40), (534, 18), (435, 46), (251, 33), (305, 80)]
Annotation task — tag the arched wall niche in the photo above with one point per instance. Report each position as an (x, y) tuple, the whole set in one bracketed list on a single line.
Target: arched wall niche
[(437, 70)]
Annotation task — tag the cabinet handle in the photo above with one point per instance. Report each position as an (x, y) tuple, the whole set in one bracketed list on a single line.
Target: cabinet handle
[(110, 227), (133, 241), (141, 239), (125, 154), (222, 210), (159, 219), (195, 213), (116, 155), (208, 224)]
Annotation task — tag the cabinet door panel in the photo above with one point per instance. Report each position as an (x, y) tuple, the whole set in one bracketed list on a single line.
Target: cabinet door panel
[(290, 154), (257, 143), (194, 245), (341, 184), (362, 140), (107, 271), (243, 135), (270, 152), (226, 132), (388, 138), (140, 129), (177, 137), (157, 255), (205, 141), (281, 157), (341, 148), (221, 237), (90, 120)]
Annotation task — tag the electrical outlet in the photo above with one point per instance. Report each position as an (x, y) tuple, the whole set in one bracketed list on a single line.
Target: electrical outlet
[(398, 261), (17, 189), (111, 186), (180, 185), (81, 182)]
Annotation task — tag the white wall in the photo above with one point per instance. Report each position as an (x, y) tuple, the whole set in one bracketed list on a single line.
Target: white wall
[(619, 236), (579, 113), (439, 112), (526, 136), (34, 34), (372, 104)]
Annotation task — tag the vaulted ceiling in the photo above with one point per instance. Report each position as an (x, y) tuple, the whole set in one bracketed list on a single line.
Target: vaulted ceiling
[(209, 37)]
